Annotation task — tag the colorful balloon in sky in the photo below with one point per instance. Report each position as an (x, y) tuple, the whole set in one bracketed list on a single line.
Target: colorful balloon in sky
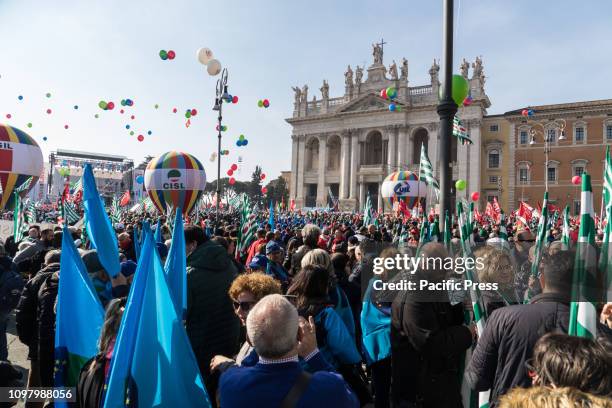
[(20, 158), (176, 179), (403, 186)]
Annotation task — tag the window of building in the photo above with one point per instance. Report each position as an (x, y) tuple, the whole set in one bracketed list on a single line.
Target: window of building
[(579, 134), (576, 207), (609, 132), (523, 138), (494, 159), (552, 135), (523, 176), (494, 128), (578, 170), (493, 179), (552, 174), (490, 197)]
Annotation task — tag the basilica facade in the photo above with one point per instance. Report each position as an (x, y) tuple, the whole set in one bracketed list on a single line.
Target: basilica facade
[(345, 146)]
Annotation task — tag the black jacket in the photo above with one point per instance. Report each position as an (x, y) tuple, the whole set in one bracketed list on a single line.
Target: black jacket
[(11, 286), (26, 311), (428, 340), (211, 323), (47, 296), (498, 362)]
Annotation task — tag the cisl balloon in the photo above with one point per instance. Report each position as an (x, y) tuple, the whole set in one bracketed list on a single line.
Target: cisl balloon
[(20, 159), (175, 179), (403, 186)]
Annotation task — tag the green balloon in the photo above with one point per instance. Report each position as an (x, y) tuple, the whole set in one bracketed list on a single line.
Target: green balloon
[(460, 89), (188, 114), (260, 103), (163, 54), (29, 125), (102, 105), (460, 185), (131, 133), (156, 106), (241, 137), (96, 116)]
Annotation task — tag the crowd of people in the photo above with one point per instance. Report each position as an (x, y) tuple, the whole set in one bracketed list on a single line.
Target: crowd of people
[(294, 320)]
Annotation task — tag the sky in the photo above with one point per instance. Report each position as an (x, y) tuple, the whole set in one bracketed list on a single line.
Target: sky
[(81, 52)]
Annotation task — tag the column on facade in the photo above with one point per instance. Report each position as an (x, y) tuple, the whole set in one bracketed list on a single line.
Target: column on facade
[(294, 166), (402, 138), (432, 146), (345, 162), (301, 161), (474, 156), (354, 164), (391, 149), (321, 190), (409, 147), (362, 194), (379, 204)]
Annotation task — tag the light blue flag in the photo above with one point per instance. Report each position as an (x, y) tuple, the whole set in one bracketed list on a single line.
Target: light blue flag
[(153, 355), (271, 219), (98, 226), (79, 317), (176, 266), (158, 232)]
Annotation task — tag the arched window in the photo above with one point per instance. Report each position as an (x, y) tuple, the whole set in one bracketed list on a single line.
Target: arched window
[(493, 162), (333, 153), (312, 154), (420, 138), (374, 148)]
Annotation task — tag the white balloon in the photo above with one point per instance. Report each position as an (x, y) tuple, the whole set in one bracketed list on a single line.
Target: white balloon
[(204, 55), (214, 67)]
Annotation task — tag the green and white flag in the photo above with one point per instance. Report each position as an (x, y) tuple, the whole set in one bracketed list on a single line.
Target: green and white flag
[(460, 132), (607, 182), (19, 224), (541, 237), (248, 227), (565, 233), (426, 172), (30, 212), (583, 314), (115, 210), (71, 216), (434, 232), (605, 255), (368, 217), (479, 311), (423, 237)]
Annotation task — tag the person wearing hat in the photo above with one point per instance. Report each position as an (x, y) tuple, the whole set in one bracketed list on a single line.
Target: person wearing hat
[(274, 268), (259, 263)]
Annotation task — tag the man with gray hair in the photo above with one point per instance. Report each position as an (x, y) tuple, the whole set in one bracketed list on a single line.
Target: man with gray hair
[(310, 236), (278, 380)]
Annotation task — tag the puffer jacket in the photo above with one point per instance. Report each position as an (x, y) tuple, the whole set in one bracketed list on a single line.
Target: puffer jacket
[(211, 324), (26, 311)]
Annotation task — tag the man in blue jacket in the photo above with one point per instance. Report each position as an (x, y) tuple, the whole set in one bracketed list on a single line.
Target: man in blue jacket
[(278, 379)]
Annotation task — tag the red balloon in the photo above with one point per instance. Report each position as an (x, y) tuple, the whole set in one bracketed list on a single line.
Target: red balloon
[(230, 172), (234, 167), (110, 106), (383, 93), (121, 111), (65, 126), (194, 112), (48, 111), (8, 115), (140, 138), (576, 180), (235, 99), (171, 55), (264, 190), (475, 196), (132, 117), (174, 110), (525, 112), (232, 180), (263, 176)]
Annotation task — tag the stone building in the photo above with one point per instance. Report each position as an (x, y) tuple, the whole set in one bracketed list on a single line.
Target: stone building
[(348, 144), (587, 132), (495, 165)]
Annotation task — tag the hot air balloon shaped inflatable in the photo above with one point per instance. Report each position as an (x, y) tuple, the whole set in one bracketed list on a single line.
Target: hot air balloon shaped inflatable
[(403, 186), (20, 159), (175, 179)]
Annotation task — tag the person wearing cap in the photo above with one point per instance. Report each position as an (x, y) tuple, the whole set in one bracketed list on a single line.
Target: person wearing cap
[(261, 239), (259, 263), (274, 252)]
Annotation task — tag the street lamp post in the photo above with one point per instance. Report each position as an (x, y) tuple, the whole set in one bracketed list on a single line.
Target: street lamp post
[(221, 95), (446, 110), (559, 125)]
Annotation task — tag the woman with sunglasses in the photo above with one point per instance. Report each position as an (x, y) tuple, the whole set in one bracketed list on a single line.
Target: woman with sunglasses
[(246, 290)]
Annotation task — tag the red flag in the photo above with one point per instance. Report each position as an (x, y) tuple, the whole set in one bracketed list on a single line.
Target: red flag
[(125, 199), (292, 205), (66, 193), (78, 197), (489, 210), (496, 209)]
